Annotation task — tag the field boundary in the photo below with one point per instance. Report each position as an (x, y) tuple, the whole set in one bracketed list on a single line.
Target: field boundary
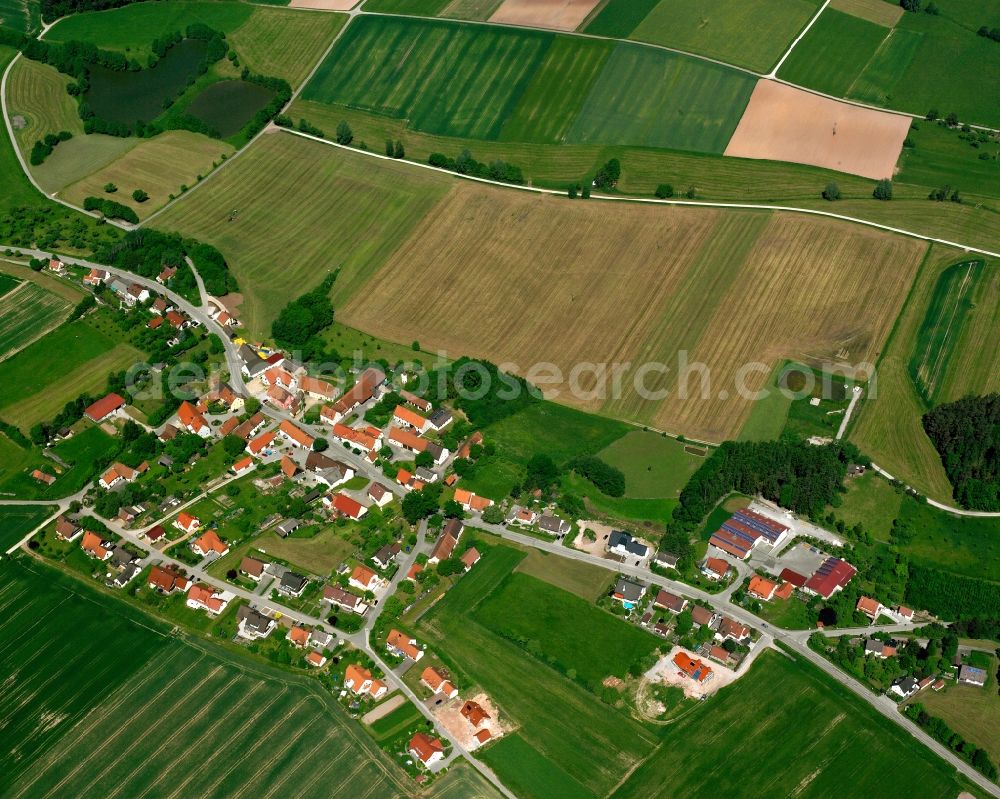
[(616, 198)]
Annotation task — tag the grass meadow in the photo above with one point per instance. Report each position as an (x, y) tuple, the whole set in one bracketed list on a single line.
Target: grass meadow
[(111, 674), (20, 15), (16, 521), (570, 731), (618, 18), (805, 734), (943, 326), (27, 314), (747, 33), (39, 385), (654, 465), (79, 452), (7, 284), (566, 631)]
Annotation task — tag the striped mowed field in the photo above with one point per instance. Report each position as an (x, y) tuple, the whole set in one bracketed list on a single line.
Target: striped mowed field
[(101, 701), (485, 82), (27, 313)]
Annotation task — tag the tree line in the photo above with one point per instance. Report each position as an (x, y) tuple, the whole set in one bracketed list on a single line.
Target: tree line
[(966, 435)]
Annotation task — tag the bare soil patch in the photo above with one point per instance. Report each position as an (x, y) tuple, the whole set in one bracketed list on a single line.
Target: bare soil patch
[(666, 672), (449, 716), (383, 709), (782, 123), (562, 15), (324, 5)]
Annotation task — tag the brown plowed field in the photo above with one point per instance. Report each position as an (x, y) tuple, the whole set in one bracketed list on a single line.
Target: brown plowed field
[(562, 15), (526, 279), (782, 123)]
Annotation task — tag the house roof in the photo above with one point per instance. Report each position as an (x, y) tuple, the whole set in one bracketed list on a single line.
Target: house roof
[(357, 676), (251, 424), (403, 642), (362, 390), (261, 442), (868, 606), (407, 438), (243, 464), (470, 557), (209, 541), (296, 433), (700, 615), (692, 667), (205, 595), (363, 575), (730, 628), (718, 565), (298, 635), (475, 713), (785, 591), (433, 678), (346, 505), (156, 533), (92, 543), (413, 399), (483, 735), (619, 538), (186, 520), (376, 491), (336, 594), (313, 385), (832, 574), (409, 417), (105, 405), (228, 426), (424, 747), (288, 467), (363, 438), (190, 418), (665, 599), (165, 579), (762, 587), (792, 577), (252, 566)]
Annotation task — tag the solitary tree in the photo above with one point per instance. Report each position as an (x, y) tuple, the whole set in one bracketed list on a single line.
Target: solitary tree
[(883, 190), (140, 196), (110, 188), (344, 133), (398, 151), (831, 192), (320, 444), (571, 193), (664, 191)]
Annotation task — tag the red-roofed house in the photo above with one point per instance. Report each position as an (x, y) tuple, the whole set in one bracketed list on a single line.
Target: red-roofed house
[(470, 558), (193, 421), (365, 387), (186, 522), (470, 501), (258, 445), (404, 417), (830, 577), (205, 597), (96, 547), (438, 682), (715, 568), (295, 434), (417, 402), (298, 636), (425, 749), (872, 608), (276, 376), (692, 667), (318, 389), (365, 440), (402, 645), (207, 542), (359, 681), (475, 713), (242, 466), (344, 505), (166, 580), (104, 407), (365, 579), (762, 588), (96, 277)]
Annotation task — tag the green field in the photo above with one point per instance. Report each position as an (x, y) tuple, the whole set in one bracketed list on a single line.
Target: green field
[(157, 712), (39, 383), (7, 284), (748, 33), (28, 314), (20, 15), (570, 730), (654, 465), (926, 61), (942, 327), (618, 18), (342, 214), (555, 430), (520, 86), (806, 736), (654, 98), (568, 632), (80, 453), (583, 579), (16, 521), (947, 156), (822, 61), (445, 78)]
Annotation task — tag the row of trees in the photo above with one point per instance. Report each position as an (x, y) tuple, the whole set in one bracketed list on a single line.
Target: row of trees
[(111, 209), (609, 479), (966, 434), (465, 164), (43, 148), (969, 752)]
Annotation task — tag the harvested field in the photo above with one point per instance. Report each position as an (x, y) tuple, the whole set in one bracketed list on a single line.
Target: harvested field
[(159, 166), (561, 15), (788, 124), (339, 210), (522, 279), (877, 11)]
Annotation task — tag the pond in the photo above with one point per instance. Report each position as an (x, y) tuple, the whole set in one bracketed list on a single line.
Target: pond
[(128, 97), (228, 106)]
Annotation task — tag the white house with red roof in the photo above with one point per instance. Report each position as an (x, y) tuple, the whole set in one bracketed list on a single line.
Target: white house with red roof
[(192, 421), (206, 597), (186, 522), (107, 406), (343, 505)]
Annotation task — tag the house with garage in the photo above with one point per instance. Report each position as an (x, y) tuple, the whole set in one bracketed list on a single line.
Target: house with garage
[(292, 584), (872, 608), (295, 435), (438, 682), (693, 668), (252, 624), (252, 568), (470, 501), (421, 404), (425, 749), (209, 543), (624, 545), (761, 588), (450, 534), (668, 601), (402, 645), (904, 687), (553, 525), (407, 418), (205, 597), (716, 568), (166, 581), (343, 505), (367, 386), (730, 628), (379, 494), (186, 523), (328, 471), (262, 444), (96, 547), (364, 579), (440, 419), (628, 592), (360, 682), (191, 420), (832, 575), (386, 555), (67, 529)]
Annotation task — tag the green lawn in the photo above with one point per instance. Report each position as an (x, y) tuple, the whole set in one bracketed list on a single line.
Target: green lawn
[(7, 283), (618, 18), (748, 33), (89, 446), (94, 673), (580, 640), (947, 156), (654, 465), (630, 508), (654, 98), (394, 722), (20, 15), (555, 430), (569, 728), (872, 502), (16, 521), (805, 735)]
